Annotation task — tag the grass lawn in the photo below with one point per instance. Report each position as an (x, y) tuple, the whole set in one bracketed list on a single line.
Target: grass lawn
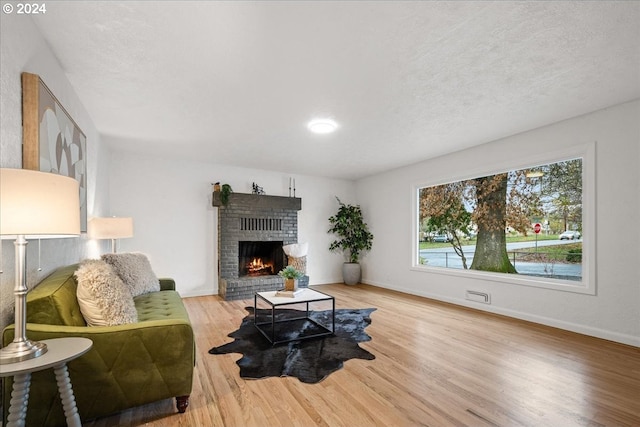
[(531, 238), (510, 239), (547, 253)]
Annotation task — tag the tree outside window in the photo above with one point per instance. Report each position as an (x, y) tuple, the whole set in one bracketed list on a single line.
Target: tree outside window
[(487, 223)]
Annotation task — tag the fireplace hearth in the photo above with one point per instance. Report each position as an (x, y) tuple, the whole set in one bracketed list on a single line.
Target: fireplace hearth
[(252, 229)]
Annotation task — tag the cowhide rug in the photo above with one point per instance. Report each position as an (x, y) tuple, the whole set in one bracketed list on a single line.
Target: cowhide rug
[(309, 360)]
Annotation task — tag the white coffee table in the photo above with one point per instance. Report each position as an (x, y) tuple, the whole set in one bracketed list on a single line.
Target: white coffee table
[(268, 326)]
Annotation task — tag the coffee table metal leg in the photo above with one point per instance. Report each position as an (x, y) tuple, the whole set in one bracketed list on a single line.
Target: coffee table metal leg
[(66, 396), (333, 316), (255, 310), (273, 325), (19, 400)]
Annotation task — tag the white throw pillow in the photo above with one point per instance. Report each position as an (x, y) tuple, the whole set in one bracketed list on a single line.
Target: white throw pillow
[(135, 271), (103, 298)]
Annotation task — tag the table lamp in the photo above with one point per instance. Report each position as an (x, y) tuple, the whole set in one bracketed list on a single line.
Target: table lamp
[(33, 205), (110, 228)]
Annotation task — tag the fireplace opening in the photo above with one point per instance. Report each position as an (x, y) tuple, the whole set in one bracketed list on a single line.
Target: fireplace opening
[(260, 258)]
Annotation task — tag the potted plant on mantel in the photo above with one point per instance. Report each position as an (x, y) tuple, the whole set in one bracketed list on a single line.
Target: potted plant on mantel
[(354, 238)]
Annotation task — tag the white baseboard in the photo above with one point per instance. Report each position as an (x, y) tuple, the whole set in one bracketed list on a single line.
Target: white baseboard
[(568, 326)]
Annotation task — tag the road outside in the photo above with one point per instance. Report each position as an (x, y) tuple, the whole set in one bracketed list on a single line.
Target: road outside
[(446, 257)]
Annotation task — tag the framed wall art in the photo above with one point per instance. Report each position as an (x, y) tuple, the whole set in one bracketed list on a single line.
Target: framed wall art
[(51, 140)]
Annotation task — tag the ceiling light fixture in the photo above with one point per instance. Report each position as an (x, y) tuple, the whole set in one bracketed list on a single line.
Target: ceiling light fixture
[(322, 126)]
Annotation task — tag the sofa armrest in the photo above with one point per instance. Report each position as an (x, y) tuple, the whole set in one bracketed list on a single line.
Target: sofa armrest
[(167, 284)]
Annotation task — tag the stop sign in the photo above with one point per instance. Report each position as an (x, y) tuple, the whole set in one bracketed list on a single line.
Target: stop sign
[(537, 227)]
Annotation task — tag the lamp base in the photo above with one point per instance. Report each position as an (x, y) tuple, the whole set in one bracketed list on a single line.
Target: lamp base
[(22, 350)]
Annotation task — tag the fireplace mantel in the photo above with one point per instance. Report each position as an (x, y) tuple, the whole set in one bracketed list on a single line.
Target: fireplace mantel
[(260, 201)]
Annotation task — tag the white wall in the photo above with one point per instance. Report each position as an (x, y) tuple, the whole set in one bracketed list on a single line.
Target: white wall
[(176, 226), (613, 313), (22, 48)]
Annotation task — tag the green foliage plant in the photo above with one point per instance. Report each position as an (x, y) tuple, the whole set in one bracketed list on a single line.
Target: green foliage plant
[(225, 191), (290, 272), (354, 236)]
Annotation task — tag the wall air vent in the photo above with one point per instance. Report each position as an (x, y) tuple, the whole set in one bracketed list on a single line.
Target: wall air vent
[(476, 296)]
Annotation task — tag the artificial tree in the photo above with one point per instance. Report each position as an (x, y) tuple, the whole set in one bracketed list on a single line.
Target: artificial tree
[(354, 238)]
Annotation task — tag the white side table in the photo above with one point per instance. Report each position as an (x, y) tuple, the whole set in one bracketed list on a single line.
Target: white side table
[(59, 352)]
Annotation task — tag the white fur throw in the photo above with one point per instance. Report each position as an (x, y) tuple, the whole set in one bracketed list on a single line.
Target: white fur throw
[(135, 271), (104, 300)]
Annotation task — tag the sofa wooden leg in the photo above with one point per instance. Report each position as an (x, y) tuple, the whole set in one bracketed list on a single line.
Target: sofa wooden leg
[(182, 402)]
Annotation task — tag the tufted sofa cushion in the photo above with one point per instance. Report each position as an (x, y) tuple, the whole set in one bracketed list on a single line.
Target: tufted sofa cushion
[(160, 306)]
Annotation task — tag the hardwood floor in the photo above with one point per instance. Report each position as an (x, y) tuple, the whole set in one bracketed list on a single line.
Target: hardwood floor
[(436, 365)]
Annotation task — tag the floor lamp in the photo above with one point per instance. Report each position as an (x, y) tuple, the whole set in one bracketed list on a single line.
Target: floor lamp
[(33, 205), (110, 228)]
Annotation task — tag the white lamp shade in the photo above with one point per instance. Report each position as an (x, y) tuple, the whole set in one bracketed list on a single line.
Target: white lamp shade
[(110, 228), (38, 204)]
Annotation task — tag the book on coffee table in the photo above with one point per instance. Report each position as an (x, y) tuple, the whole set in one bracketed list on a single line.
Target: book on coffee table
[(290, 294)]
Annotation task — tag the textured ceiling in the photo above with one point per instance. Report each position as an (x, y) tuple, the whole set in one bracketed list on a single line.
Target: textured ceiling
[(236, 82)]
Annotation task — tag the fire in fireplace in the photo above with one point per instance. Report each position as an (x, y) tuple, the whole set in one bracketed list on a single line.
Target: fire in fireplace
[(257, 267), (260, 258)]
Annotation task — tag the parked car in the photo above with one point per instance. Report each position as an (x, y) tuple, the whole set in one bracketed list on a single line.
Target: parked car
[(569, 235), (441, 238)]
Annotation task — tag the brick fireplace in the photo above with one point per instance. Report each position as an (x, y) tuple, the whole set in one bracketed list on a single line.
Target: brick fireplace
[(251, 232)]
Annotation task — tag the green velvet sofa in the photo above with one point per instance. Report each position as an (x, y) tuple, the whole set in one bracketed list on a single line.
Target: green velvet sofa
[(128, 365)]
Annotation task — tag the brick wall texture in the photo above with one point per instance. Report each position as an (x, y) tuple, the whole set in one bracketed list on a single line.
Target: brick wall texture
[(251, 217)]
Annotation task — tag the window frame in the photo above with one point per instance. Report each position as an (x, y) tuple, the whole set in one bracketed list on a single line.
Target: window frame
[(588, 283)]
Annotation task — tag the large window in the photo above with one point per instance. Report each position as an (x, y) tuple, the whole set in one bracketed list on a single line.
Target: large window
[(524, 225)]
